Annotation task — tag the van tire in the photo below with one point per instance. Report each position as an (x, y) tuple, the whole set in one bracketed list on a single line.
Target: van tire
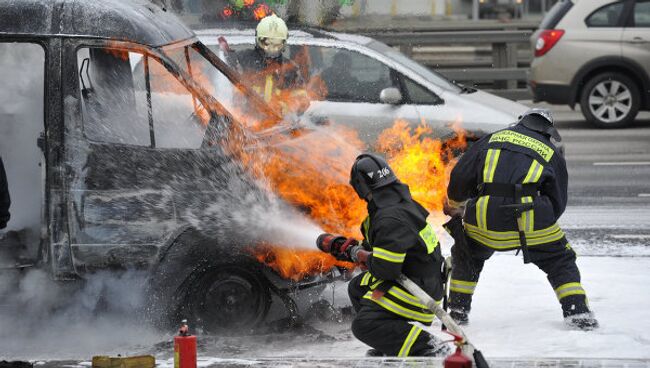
[(233, 297), (610, 100)]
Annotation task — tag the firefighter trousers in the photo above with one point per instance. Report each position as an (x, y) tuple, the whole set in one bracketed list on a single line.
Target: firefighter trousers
[(387, 332), (557, 260)]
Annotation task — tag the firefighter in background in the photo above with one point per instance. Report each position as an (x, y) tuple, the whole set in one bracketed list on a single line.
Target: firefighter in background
[(277, 79), (514, 186), (397, 240), (5, 200)]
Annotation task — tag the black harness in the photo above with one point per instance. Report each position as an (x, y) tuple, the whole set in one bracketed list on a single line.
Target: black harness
[(517, 192)]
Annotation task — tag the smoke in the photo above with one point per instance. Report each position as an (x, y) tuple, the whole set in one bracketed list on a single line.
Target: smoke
[(44, 319), (21, 122)]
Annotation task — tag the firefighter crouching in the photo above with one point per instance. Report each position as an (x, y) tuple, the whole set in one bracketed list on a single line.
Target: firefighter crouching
[(397, 239), (277, 79), (514, 183)]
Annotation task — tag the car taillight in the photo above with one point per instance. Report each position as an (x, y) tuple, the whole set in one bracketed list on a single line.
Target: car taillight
[(546, 40)]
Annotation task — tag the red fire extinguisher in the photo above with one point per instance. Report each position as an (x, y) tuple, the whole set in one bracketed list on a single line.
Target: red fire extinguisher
[(184, 348), (457, 359)]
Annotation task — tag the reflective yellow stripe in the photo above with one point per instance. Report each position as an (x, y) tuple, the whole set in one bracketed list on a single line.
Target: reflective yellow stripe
[(481, 211), (503, 240), (460, 286), (374, 285), (534, 173), (571, 288), (406, 297), (387, 255), (366, 228), (430, 239), (399, 310), (365, 279), (524, 141), (268, 88), (489, 168), (409, 341), (491, 161)]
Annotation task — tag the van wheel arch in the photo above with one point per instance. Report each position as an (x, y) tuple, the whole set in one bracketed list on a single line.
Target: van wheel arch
[(189, 258)]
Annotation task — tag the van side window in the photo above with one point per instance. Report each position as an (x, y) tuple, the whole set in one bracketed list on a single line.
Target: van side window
[(131, 98), (606, 16)]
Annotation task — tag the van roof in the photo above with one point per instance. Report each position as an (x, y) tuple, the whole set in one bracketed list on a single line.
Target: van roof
[(138, 21)]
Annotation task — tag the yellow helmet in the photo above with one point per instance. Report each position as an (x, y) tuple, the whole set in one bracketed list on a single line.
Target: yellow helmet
[(271, 35)]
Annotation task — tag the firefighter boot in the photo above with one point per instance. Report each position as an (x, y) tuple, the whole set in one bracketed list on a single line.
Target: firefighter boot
[(436, 348), (459, 316), (577, 314), (582, 321), (374, 353)]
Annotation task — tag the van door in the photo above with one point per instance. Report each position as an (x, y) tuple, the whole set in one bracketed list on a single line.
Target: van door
[(134, 140), (636, 36), (22, 124)]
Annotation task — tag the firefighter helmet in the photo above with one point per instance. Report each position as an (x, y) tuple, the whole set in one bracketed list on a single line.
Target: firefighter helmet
[(540, 120), (271, 36), (370, 172)]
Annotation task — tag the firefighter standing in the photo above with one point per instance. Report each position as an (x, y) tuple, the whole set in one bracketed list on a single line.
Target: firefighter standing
[(270, 73), (5, 200), (397, 240), (515, 184)]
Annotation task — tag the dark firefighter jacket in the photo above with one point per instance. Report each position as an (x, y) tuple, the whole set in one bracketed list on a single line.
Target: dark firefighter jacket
[(269, 78), (402, 242), (5, 201), (516, 155)]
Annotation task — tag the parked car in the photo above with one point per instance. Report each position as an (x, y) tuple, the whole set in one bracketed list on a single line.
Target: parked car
[(378, 85), (596, 54), (114, 167)]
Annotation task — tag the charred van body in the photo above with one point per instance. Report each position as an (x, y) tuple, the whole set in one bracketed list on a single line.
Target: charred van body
[(113, 158)]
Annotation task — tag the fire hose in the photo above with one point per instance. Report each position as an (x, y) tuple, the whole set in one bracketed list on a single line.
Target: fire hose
[(338, 247)]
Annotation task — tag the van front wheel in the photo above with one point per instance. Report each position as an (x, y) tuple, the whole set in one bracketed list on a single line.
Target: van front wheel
[(229, 297)]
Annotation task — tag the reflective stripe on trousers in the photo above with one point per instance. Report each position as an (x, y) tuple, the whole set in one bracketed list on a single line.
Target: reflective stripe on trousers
[(409, 341)]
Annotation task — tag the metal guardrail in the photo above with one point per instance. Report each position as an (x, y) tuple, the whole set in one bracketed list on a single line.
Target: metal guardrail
[(505, 72)]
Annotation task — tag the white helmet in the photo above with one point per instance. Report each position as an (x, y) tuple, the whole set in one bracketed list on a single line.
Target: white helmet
[(271, 35)]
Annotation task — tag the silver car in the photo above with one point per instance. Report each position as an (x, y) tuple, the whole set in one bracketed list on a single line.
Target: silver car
[(595, 53), (371, 85)]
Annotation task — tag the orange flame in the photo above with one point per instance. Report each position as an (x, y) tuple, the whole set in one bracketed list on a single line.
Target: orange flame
[(311, 171), (296, 264), (420, 161), (261, 11)]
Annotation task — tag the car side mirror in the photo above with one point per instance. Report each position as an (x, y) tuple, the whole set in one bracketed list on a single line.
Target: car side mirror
[(390, 95)]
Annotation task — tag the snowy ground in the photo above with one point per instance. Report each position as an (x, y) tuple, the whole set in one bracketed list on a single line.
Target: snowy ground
[(516, 320)]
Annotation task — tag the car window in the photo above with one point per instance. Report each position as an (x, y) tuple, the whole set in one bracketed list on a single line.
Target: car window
[(413, 65), (419, 95), (555, 14), (642, 14), (351, 76), (131, 98), (606, 16)]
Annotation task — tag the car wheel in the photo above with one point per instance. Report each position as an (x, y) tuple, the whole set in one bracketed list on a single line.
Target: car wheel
[(610, 100), (230, 297)]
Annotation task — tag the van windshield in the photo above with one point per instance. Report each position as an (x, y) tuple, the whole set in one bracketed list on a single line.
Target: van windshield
[(226, 90)]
